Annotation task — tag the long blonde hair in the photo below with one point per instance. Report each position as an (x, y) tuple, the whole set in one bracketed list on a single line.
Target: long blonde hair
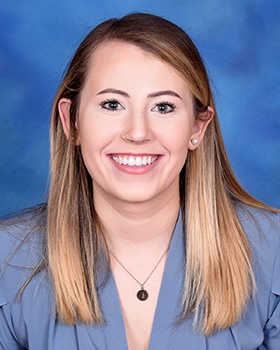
[(219, 281)]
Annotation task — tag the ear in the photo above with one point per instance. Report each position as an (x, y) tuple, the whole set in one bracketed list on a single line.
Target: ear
[(64, 105), (199, 128)]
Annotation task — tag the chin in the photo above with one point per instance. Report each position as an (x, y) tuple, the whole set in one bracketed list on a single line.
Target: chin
[(136, 197)]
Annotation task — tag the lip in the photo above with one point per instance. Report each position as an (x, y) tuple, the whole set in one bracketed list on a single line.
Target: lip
[(134, 164)]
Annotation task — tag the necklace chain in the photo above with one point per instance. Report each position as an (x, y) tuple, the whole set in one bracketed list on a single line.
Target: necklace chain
[(142, 294), (141, 284)]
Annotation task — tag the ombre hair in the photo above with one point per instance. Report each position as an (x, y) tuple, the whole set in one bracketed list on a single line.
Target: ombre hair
[(219, 279)]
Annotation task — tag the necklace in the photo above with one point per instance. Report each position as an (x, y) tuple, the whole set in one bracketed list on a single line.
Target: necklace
[(142, 294)]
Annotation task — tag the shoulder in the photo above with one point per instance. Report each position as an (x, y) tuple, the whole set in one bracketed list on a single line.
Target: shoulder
[(262, 318), (21, 240), (262, 229), (21, 249), (13, 242), (22, 244)]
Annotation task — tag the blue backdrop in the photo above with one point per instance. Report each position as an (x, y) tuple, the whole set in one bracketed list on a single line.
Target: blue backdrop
[(239, 40)]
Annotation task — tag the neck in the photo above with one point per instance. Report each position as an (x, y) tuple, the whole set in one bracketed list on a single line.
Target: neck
[(137, 225)]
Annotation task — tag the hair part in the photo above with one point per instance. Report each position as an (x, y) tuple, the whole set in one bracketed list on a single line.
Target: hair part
[(219, 282)]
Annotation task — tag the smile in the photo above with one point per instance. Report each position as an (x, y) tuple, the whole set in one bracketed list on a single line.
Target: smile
[(135, 161)]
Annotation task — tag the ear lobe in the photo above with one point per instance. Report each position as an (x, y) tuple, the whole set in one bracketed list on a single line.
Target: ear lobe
[(64, 105), (199, 129)]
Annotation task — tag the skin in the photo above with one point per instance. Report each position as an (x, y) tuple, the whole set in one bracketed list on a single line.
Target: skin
[(130, 92)]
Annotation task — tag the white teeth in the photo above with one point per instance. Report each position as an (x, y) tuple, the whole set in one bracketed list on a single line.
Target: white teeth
[(131, 161), (137, 161), (116, 159)]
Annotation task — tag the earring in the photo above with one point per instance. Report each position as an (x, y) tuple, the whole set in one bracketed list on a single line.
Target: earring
[(125, 139), (194, 141)]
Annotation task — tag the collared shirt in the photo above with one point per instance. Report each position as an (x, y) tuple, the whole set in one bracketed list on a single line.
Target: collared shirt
[(30, 323)]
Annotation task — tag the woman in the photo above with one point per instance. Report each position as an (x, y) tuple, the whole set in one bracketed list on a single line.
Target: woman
[(147, 239)]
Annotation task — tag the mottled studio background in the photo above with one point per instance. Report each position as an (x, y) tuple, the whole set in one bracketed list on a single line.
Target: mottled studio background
[(239, 40)]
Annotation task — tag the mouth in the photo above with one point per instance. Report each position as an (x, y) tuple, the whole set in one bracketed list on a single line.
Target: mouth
[(134, 161)]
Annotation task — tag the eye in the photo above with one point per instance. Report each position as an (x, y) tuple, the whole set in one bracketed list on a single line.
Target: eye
[(111, 105), (164, 107)]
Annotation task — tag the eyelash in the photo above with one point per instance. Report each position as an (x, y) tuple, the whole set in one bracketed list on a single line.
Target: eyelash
[(116, 102), (165, 104), (108, 101)]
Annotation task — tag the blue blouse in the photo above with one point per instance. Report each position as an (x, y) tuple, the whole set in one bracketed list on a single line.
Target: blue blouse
[(30, 323)]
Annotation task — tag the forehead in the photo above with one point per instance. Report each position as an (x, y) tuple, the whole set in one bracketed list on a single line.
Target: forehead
[(125, 62), (117, 53), (117, 46)]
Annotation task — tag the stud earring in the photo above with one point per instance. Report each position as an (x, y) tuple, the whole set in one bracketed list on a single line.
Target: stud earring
[(125, 139), (194, 141)]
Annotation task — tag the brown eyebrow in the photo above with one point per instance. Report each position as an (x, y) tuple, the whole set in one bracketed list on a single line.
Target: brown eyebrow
[(114, 91), (165, 92), (151, 95)]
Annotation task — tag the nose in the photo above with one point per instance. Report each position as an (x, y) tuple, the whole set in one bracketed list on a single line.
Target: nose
[(138, 128)]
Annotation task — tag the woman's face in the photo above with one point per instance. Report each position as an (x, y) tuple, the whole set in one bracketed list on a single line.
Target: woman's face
[(129, 92)]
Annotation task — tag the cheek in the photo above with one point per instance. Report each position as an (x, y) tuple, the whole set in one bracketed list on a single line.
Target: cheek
[(93, 134), (178, 138), (90, 147)]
